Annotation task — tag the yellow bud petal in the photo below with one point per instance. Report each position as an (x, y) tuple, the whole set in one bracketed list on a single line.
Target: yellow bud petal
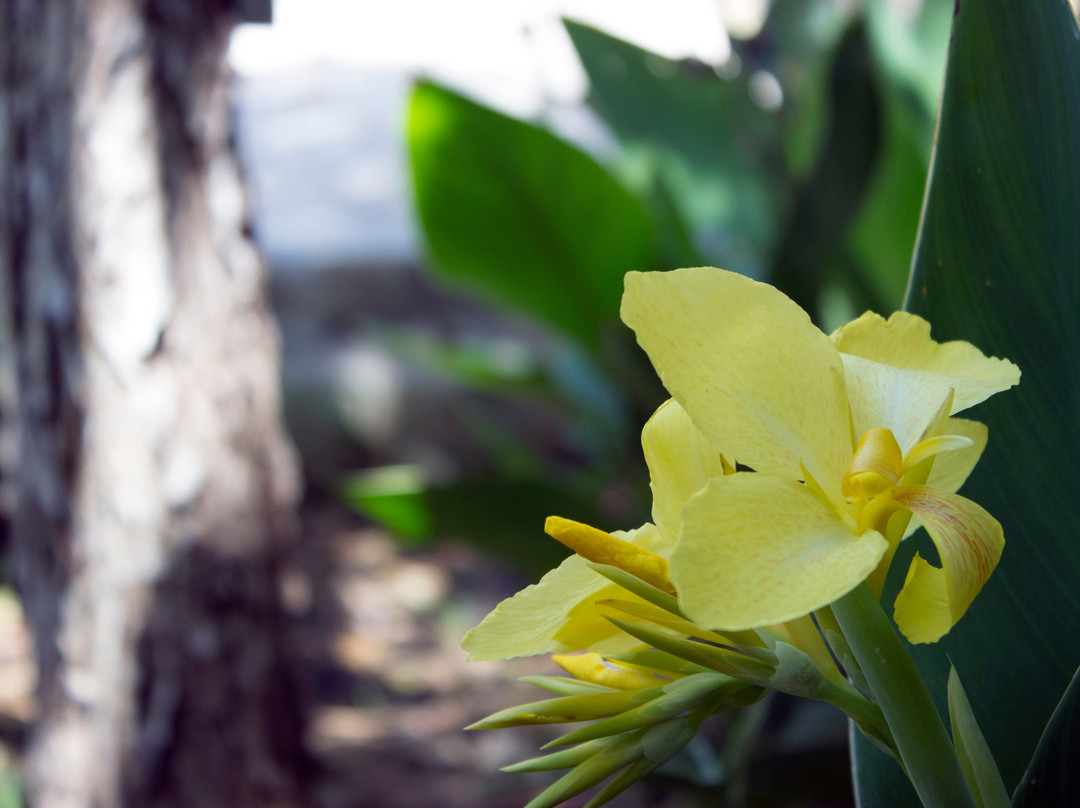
[(603, 548), (595, 668)]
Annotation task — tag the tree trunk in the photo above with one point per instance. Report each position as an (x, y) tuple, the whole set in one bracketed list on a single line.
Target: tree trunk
[(156, 485)]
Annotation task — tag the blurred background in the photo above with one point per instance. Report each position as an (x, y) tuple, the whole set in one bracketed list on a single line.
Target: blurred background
[(447, 197)]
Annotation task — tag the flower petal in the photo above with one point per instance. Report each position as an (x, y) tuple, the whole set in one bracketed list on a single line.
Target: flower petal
[(751, 370), (951, 469), (559, 614), (969, 542), (680, 459), (906, 402), (758, 549), (599, 670), (903, 341)]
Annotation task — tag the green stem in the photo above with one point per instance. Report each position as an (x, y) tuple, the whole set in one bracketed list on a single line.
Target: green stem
[(916, 726), (865, 714)]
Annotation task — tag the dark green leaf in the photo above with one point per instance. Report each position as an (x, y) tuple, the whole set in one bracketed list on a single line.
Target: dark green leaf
[(521, 216), (1053, 777), (978, 765), (997, 265)]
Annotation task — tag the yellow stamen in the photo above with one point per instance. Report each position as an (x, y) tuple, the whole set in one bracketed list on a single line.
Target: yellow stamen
[(875, 468)]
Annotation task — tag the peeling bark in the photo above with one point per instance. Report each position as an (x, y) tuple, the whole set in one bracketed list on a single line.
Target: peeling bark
[(155, 483)]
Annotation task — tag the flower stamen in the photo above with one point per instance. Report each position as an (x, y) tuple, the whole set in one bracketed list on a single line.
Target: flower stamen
[(875, 468)]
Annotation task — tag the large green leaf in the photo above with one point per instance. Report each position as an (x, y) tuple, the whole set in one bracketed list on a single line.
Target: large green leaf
[(998, 264), (516, 213), (716, 151)]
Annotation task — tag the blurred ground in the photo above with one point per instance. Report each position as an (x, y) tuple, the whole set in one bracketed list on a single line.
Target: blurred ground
[(376, 631)]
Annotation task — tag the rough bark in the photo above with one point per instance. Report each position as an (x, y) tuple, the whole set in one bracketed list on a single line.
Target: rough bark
[(155, 483)]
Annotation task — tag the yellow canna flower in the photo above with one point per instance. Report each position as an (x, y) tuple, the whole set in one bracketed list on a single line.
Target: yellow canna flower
[(564, 611), (840, 433)]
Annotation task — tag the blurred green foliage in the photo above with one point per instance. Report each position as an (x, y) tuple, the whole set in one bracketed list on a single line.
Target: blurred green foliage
[(801, 161)]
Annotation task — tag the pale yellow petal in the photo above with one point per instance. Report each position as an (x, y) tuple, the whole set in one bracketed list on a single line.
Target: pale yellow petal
[(759, 549), (969, 542), (906, 402), (754, 374), (559, 614), (951, 469), (680, 459), (933, 447), (903, 341)]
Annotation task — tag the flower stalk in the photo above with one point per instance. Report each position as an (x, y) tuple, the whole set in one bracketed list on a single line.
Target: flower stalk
[(925, 750)]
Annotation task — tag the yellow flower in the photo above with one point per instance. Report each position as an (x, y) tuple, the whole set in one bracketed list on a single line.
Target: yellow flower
[(566, 611), (839, 433), (562, 613)]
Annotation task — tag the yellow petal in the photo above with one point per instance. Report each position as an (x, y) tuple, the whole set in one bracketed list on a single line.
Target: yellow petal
[(951, 469), (603, 548), (751, 370), (559, 614), (593, 667), (680, 459), (759, 549), (903, 341), (935, 447), (969, 542), (905, 402)]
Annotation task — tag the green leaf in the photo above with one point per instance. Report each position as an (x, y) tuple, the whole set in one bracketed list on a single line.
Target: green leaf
[(590, 772), (715, 150), (645, 591), (980, 770), (1053, 778), (564, 709), (682, 694), (996, 264), (563, 759), (518, 215), (565, 685)]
